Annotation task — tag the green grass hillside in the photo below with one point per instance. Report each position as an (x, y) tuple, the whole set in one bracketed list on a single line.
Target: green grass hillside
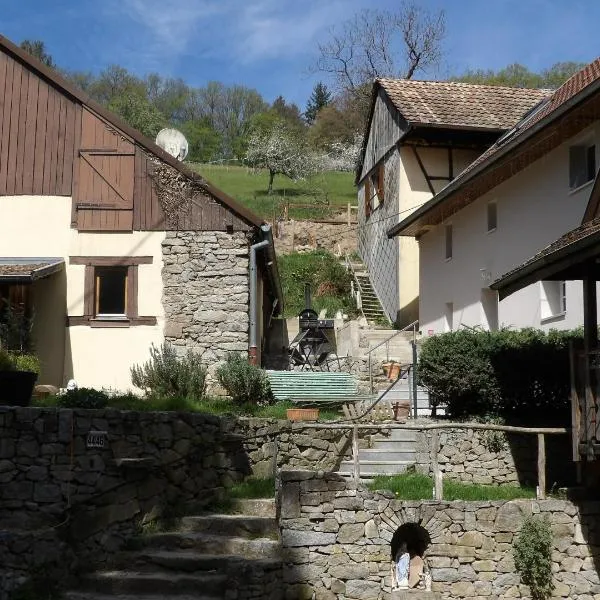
[(326, 193)]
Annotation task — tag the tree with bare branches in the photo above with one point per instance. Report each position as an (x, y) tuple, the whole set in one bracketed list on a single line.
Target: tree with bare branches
[(380, 43)]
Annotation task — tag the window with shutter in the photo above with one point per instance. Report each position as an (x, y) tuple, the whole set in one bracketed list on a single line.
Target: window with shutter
[(374, 189)]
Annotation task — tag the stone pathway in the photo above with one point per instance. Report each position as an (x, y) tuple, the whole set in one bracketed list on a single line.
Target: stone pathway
[(208, 557)]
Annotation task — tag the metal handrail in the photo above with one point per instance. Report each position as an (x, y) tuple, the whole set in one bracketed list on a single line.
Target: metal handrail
[(412, 326)]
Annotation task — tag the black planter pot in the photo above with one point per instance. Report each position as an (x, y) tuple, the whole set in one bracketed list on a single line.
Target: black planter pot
[(16, 387)]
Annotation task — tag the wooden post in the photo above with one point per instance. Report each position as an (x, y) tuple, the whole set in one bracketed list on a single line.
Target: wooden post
[(438, 484), (349, 214), (355, 461), (590, 343), (293, 234), (575, 411), (541, 488)]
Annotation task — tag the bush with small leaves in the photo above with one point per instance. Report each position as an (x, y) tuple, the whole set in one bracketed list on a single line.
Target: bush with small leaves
[(533, 557), (245, 383), (167, 375), (83, 398)]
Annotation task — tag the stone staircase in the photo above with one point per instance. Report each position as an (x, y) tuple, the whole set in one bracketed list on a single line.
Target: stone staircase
[(207, 557), (371, 307), (387, 454)]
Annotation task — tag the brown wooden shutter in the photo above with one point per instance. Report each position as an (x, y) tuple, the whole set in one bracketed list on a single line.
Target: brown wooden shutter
[(367, 197), (103, 196), (380, 182)]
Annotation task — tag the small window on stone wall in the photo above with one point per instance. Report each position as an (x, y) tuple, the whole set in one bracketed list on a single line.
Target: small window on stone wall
[(409, 570)]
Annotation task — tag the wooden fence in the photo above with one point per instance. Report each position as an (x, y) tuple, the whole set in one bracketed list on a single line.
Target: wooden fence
[(541, 433)]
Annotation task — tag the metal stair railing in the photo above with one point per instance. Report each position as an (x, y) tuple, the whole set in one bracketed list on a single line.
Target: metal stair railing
[(411, 367)]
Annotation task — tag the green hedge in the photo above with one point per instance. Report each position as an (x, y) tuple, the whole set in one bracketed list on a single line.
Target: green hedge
[(520, 375)]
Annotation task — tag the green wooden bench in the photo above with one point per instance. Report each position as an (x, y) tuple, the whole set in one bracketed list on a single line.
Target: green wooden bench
[(315, 387)]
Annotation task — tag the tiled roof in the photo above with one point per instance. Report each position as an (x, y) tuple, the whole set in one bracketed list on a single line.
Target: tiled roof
[(565, 92), (28, 269), (460, 104)]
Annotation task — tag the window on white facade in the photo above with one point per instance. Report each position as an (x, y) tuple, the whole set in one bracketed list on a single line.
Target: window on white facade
[(449, 316), (553, 299), (448, 230), (492, 216), (582, 164), (489, 309)]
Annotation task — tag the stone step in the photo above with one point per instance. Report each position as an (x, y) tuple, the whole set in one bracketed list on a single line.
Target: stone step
[(193, 562), (160, 583), (257, 507), (232, 525), (206, 543), (396, 435), (372, 468), (378, 454)]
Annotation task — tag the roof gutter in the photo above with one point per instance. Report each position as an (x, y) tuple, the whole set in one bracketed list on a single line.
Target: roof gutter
[(268, 246), (510, 145)]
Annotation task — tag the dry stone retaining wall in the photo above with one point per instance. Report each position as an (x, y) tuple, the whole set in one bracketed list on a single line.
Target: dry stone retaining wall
[(64, 504), (337, 542)]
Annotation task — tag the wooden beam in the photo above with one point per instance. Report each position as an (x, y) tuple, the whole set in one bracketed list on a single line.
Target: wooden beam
[(422, 167), (438, 486), (590, 316), (541, 465), (575, 407), (355, 460)]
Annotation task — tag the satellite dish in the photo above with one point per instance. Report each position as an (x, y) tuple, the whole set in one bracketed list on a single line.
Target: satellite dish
[(173, 142)]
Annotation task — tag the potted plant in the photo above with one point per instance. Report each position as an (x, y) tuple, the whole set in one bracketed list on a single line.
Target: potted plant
[(18, 374)]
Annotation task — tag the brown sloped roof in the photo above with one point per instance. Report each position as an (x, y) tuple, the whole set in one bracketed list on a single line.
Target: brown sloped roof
[(66, 87), (463, 105), (26, 270), (577, 88)]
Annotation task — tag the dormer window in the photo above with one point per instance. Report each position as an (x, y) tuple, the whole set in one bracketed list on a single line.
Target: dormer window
[(582, 164)]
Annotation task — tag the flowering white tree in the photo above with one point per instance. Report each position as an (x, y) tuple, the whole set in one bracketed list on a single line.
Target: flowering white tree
[(342, 156), (282, 151)]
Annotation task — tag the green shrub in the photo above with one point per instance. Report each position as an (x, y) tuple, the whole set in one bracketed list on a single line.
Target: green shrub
[(83, 398), (6, 361), (245, 383), (26, 362), (533, 557), (519, 375), (13, 361), (168, 375)]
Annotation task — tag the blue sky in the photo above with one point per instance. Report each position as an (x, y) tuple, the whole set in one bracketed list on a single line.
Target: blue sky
[(268, 44)]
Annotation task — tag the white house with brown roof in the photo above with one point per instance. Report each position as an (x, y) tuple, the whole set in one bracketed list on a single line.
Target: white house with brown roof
[(420, 136), (528, 189), (110, 244)]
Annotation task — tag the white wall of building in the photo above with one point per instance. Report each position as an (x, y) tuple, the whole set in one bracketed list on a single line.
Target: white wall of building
[(534, 208), (34, 226)]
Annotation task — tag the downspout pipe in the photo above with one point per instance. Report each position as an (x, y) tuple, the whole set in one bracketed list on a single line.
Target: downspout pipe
[(252, 347)]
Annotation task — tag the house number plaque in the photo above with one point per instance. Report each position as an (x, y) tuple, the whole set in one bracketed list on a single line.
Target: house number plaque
[(96, 439)]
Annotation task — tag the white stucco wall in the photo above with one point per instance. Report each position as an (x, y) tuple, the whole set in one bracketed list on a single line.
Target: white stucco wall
[(96, 357), (535, 207), (413, 192)]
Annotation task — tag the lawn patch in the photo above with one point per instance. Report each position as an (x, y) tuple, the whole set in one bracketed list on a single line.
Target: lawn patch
[(416, 486)]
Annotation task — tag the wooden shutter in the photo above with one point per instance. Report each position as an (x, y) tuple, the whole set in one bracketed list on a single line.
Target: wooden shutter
[(380, 182), (103, 195)]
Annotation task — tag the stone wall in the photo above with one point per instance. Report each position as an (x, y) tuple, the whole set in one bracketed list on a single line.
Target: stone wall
[(337, 542), (206, 287), (311, 449), (64, 505), (486, 457)]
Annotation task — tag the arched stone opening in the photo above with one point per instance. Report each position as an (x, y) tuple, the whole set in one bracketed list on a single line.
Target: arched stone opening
[(416, 538), (408, 546)]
